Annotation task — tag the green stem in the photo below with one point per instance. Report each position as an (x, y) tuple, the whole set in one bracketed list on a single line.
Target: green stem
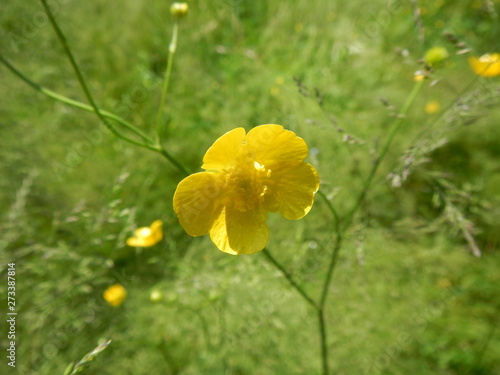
[(112, 116), (324, 348), (80, 105), (336, 250), (288, 276), (174, 161), (340, 229), (392, 133), (171, 51), (77, 71)]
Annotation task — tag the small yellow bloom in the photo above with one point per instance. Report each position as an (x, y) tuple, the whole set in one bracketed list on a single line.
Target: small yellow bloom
[(147, 236), (487, 65), (436, 55), (432, 107), (247, 175), (418, 76), (179, 9), (115, 295)]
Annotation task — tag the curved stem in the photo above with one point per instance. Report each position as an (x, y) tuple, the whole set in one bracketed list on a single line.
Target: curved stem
[(77, 104), (77, 71), (171, 51), (174, 161), (392, 133), (332, 210), (288, 276)]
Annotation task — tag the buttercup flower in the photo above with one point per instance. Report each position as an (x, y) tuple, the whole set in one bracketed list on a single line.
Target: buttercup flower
[(487, 65), (247, 175), (115, 295), (147, 236)]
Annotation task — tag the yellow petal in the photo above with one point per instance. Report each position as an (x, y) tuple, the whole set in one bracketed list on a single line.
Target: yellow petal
[(273, 143), (236, 232), (157, 230), (487, 65), (147, 236), (224, 150), (293, 188), (195, 202), (138, 242)]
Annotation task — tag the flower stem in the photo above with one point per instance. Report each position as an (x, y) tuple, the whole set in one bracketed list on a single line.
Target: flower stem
[(324, 348), (392, 133), (173, 160), (168, 72), (77, 70), (80, 105), (341, 228), (288, 276)]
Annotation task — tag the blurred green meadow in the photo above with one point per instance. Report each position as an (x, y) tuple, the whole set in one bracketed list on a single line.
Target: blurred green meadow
[(407, 297)]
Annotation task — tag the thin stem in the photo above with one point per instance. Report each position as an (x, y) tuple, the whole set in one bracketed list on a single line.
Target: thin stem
[(174, 161), (80, 105), (290, 279), (76, 69), (332, 210), (340, 229), (331, 268), (324, 349), (171, 51), (392, 133), (336, 250), (112, 116)]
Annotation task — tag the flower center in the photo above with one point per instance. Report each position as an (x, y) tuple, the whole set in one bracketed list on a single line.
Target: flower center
[(245, 185)]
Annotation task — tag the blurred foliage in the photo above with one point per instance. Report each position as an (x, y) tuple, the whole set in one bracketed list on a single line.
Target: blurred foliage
[(407, 297)]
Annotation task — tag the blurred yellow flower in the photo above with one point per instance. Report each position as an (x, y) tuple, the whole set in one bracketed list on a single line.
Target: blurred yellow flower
[(418, 76), (115, 295), (432, 107), (487, 65), (247, 175), (155, 296), (147, 236)]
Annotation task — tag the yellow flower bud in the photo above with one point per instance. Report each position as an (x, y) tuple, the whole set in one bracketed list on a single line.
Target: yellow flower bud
[(179, 10), (155, 296), (436, 55)]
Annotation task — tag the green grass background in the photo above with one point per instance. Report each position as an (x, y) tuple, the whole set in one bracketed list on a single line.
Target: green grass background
[(407, 296)]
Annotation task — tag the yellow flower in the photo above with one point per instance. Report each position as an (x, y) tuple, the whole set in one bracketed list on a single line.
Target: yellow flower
[(487, 65), (432, 107), (247, 175), (147, 236), (115, 295), (417, 77)]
